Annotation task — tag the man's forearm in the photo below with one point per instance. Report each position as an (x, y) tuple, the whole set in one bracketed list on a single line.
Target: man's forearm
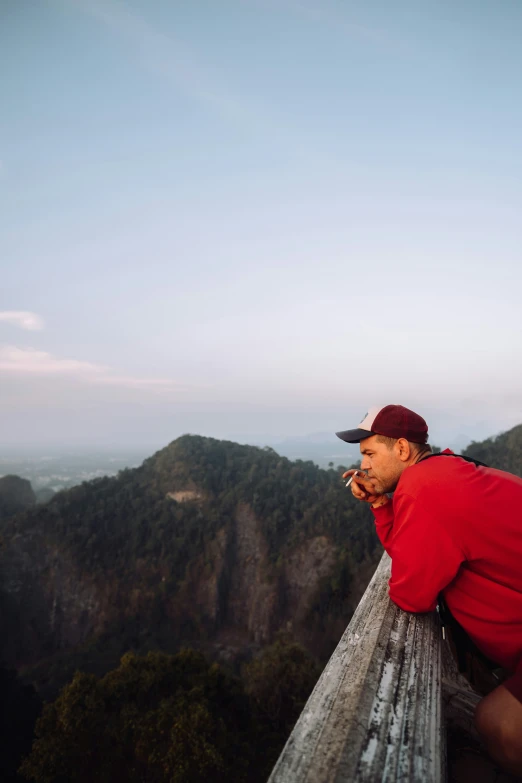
[(383, 513)]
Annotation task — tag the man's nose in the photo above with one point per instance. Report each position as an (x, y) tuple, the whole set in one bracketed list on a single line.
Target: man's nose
[(365, 463)]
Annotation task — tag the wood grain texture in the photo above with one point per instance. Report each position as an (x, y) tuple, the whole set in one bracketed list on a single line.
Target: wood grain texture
[(375, 712)]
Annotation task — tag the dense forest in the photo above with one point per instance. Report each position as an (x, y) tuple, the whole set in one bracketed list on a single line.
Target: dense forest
[(243, 557), (197, 599), (208, 544), (175, 718)]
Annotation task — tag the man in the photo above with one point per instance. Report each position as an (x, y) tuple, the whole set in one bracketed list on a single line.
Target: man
[(452, 528)]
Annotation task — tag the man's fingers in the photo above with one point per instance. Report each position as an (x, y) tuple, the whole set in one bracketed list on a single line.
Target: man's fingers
[(362, 487), (363, 482), (357, 489), (357, 474), (359, 492), (350, 472), (367, 497)]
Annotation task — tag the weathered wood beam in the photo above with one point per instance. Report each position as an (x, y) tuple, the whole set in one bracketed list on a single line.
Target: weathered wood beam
[(375, 712)]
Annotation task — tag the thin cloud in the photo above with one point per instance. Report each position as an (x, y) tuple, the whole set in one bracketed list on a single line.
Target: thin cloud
[(175, 62), (130, 382), (166, 55), (320, 11), (30, 362), (23, 319)]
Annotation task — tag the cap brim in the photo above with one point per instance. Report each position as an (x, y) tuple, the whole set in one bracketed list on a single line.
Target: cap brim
[(354, 436)]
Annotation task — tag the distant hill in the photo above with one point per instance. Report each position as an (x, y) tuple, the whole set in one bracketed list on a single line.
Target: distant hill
[(208, 543), (16, 494), (503, 452)]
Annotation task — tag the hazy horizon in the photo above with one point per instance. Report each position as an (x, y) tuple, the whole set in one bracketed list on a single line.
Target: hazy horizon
[(39, 449), (253, 220)]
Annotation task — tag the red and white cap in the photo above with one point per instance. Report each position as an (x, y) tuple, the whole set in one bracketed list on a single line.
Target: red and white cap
[(393, 421)]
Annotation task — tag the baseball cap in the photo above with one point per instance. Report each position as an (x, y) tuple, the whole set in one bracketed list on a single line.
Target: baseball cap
[(393, 421)]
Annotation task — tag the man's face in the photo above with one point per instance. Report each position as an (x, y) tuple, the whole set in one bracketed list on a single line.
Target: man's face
[(381, 464)]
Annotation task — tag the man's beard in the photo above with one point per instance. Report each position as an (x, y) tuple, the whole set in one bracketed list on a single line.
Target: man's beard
[(384, 486)]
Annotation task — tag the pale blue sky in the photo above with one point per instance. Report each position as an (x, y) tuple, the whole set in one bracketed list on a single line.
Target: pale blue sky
[(252, 218)]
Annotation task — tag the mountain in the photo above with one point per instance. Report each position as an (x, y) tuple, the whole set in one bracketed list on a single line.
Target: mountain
[(16, 494), (222, 547), (208, 544), (503, 451)]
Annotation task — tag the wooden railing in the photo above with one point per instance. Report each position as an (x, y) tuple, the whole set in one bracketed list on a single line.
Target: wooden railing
[(375, 713)]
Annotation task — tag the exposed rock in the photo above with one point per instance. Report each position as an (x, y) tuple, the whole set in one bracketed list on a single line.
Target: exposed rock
[(252, 599), (53, 606), (305, 568), (184, 495), (205, 580)]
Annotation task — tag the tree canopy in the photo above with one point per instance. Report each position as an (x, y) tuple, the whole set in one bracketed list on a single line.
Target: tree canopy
[(171, 719)]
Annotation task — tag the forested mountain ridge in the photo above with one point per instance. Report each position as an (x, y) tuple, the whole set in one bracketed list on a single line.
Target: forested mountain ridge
[(503, 451), (208, 543)]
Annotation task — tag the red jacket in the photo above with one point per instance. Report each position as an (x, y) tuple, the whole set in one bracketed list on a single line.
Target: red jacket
[(457, 528)]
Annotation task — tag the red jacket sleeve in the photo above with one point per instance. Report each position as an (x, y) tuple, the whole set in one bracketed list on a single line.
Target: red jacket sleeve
[(384, 525), (425, 557)]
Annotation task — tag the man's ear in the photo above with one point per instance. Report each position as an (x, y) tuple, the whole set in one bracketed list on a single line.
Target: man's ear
[(403, 449)]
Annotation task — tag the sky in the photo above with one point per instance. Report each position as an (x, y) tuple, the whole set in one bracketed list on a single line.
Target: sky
[(254, 219)]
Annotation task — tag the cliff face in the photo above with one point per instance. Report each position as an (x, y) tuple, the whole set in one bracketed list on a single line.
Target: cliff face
[(46, 601), (233, 590), (246, 599), (152, 558)]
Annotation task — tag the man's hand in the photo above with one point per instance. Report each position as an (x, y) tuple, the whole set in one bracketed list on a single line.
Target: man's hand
[(363, 489)]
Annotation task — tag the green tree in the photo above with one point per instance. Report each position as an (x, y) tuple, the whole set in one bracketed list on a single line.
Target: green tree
[(157, 718), (19, 709), (278, 681), (503, 452)]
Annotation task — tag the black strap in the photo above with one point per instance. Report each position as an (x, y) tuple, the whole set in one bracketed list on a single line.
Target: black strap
[(468, 459)]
